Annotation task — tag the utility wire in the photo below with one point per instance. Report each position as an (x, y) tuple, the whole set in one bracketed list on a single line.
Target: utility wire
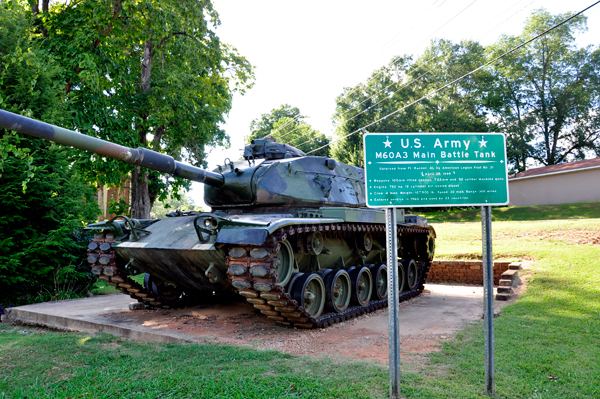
[(288, 122), (424, 62), (383, 99), (438, 29), (382, 90), (352, 91), (460, 78), (503, 22)]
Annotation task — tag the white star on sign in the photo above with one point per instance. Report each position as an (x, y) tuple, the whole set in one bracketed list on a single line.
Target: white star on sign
[(501, 161), (369, 162), (387, 143), (482, 143)]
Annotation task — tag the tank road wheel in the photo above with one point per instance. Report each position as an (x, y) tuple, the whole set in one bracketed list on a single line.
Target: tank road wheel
[(337, 290), (169, 295), (401, 278), (412, 274), (380, 286), (314, 243), (363, 242), (362, 285), (309, 292), (284, 263)]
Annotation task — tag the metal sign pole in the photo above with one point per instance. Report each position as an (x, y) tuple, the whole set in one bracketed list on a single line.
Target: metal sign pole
[(488, 298), (394, 325)]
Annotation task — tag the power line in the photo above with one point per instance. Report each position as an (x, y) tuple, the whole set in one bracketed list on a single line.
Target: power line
[(383, 99), (460, 78), (503, 22), (288, 122), (446, 23), (431, 59)]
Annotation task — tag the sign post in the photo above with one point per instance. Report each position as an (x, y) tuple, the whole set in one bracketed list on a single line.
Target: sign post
[(435, 170), (488, 298), (393, 299)]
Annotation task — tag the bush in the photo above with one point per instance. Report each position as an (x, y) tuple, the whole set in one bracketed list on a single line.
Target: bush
[(43, 244)]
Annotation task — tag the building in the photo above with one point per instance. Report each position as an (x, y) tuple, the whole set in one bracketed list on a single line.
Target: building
[(566, 183), (106, 194)]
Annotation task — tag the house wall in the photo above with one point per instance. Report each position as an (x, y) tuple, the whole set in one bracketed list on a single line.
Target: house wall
[(561, 188)]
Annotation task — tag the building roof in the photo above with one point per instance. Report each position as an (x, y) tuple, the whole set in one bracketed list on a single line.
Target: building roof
[(561, 168)]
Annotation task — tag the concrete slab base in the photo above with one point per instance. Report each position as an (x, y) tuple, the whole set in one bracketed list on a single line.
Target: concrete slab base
[(440, 311)]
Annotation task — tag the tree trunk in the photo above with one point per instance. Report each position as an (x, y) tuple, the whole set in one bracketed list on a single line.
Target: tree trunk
[(140, 198), (141, 202)]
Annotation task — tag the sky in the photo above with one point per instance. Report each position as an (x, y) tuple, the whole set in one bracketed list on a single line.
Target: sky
[(306, 52)]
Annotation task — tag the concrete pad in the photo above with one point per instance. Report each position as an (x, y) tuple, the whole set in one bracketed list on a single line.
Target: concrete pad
[(424, 321)]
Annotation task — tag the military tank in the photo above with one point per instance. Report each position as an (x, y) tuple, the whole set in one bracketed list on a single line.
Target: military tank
[(290, 233)]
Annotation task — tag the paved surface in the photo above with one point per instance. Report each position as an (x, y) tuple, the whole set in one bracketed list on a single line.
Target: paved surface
[(424, 322)]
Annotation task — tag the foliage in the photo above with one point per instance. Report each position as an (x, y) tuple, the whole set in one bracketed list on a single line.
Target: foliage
[(44, 200), (120, 207), (546, 96), (265, 125), (144, 73), (41, 236), (28, 76), (183, 203), (393, 88), (286, 124)]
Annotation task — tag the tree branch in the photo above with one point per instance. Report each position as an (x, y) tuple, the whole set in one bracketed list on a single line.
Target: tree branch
[(184, 33)]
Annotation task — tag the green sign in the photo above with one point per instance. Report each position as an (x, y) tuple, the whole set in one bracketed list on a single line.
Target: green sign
[(435, 169)]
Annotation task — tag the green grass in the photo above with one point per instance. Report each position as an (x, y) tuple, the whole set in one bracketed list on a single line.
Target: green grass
[(585, 210), (74, 365), (102, 288), (547, 343)]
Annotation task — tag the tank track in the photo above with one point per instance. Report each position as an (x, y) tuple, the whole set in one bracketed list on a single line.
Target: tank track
[(106, 265), (262, 292)]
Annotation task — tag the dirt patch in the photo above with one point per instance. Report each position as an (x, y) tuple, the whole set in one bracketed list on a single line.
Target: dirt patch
[(568, 236), (425, 323)]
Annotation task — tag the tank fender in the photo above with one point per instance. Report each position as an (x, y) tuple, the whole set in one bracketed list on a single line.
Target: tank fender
[(246, 236)]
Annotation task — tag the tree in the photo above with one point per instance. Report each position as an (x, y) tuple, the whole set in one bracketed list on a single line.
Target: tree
[(286, 125), (144, 73), (546, 96), (184, 203), (392, 88), (264, 126), (41, 221)]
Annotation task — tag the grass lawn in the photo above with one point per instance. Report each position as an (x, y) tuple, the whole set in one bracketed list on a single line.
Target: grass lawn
[(547, 343), (585, 210)]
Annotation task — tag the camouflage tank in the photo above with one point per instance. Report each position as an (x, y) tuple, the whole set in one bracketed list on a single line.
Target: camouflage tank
[(288, 232)]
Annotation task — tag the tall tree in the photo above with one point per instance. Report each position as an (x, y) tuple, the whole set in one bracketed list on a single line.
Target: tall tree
[(546, 96), (287, 125), (403, 81), (144, 73)]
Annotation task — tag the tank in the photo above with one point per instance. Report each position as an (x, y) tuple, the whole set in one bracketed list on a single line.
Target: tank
[(289, 233)]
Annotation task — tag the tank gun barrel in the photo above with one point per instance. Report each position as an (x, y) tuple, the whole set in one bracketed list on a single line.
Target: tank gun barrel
[(136, 156)]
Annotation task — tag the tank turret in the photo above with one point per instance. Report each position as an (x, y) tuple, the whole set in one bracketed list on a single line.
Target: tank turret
[(287, 231)]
